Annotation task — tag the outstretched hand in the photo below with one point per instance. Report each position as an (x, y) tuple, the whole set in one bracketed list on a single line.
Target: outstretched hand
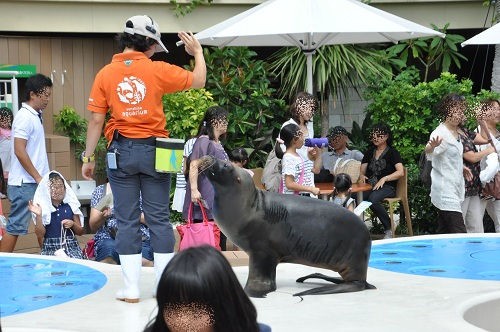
[(435, 141), (191, 44), (35, 208)]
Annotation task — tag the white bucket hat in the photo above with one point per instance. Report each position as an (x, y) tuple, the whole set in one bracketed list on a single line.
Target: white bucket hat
[(145, 26)]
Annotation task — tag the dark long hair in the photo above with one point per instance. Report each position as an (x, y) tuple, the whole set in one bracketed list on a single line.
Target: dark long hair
[(212, 114), (287, 134), (203, 276)]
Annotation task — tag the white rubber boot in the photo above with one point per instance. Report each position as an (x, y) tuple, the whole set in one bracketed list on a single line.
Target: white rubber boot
[(131, 272), (160, 261)]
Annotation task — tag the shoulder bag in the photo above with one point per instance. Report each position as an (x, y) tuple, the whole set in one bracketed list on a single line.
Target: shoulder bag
[(197, 234)]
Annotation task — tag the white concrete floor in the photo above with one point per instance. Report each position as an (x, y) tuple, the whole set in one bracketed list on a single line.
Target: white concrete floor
[(401, 302)]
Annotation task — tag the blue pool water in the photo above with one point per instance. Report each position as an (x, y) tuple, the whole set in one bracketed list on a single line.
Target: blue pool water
[(28, 284), (464, 258)]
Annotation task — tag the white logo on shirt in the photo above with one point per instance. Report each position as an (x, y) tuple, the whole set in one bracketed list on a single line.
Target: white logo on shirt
[(131, 90)]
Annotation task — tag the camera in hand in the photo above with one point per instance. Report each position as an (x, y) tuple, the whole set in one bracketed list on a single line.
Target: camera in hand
[(321, 142)]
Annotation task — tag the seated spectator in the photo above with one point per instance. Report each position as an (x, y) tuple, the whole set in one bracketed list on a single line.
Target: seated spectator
[(239, 157), (381, 166), (337, 141), (57, 216), (342, 184), (198, 291), (105, 225)]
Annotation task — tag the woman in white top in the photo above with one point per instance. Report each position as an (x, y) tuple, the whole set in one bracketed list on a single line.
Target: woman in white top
[(302, 111), (492, 119), (445, 151)]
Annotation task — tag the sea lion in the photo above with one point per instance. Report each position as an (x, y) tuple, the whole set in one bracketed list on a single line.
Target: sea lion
[(273, 228)]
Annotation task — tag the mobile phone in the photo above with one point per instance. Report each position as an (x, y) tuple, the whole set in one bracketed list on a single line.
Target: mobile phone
[(111, 160)]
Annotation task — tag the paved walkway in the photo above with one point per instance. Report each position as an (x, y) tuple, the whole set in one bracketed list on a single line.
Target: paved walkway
[(401, 302)]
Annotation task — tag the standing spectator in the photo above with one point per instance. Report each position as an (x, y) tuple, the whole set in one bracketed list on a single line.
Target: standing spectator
[(29, 161), (294, 166), (57, 216), (302, 111), (213, 127), (381, 166), (131, 89), (6, 119), (337, 141), (492, 112), (445, 151), (180, 178), (473, 206), (104, 223)]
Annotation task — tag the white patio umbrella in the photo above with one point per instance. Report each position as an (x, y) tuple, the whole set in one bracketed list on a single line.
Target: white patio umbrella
[(309, 24), (488, 36)]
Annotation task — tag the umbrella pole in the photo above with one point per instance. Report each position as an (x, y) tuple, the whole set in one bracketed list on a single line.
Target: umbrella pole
[(309, 72)]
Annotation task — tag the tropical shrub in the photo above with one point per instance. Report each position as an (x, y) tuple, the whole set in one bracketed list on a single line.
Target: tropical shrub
[(241, 84), (185, 110), (68, 122)]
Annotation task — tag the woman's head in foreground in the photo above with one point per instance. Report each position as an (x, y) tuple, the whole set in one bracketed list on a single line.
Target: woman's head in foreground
[(199, 291)]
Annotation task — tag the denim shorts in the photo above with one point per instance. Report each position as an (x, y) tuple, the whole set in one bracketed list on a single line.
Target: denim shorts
[(107, 248), (19, 215)]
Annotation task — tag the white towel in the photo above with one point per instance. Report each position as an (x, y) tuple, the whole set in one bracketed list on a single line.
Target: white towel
[(489, 168), (42, 197)]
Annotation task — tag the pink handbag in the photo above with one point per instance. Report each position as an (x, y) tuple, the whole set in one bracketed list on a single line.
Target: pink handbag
[(192, 235)]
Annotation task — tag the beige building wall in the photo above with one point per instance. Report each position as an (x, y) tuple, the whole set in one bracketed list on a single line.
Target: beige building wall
[(98, 16)]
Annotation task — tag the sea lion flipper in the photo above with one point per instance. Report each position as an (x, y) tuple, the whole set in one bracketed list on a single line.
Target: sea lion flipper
[(321, 276), (346, 287)]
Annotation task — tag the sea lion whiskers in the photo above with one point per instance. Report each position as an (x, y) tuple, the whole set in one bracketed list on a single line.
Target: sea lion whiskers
[(205, 163)]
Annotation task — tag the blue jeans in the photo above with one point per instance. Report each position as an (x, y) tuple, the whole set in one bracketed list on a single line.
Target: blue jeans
[(107, 248), (376, 197), (136, 174), (20, 216)]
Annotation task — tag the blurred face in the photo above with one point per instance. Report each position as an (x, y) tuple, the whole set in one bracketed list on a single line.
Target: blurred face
[(299, 139), (495, 112), (40, 100), (57, 189), (378, 138), (455, 113), (220, 125), (338, 142), (188, 318), (305, 108)]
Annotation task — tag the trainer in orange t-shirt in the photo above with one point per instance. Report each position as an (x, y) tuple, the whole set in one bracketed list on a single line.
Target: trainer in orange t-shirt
[(120, 87)]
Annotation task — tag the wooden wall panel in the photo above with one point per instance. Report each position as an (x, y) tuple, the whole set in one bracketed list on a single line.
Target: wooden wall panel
[(88, 72), (13, 51), (46, 69), (4, 50), (79, 99), (35, 56), (82, 58), (67, 73), (57, 90), (24, 51)]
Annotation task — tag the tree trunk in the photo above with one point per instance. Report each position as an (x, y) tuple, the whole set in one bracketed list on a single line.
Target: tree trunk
[(325, 114), (495, 75)]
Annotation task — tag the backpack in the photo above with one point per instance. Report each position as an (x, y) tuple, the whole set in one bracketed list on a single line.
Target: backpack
[(425, 166), (271, 175), (350, 167)]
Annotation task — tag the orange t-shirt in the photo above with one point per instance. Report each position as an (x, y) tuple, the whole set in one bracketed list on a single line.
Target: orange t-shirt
[(131, 88)]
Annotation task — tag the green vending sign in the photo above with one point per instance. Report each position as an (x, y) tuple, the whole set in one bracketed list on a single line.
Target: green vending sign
[(24, 70)]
